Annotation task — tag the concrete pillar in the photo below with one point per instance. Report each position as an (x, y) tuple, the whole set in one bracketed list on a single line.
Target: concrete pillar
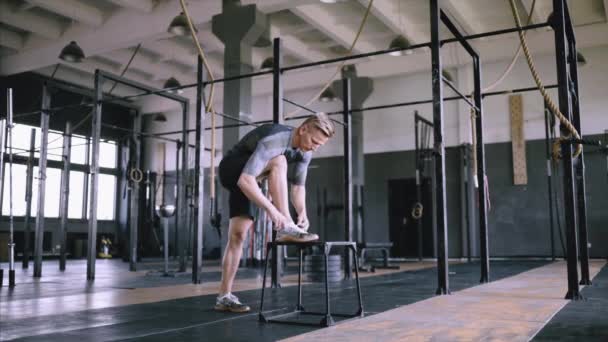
[(361, 88), (239, 28)]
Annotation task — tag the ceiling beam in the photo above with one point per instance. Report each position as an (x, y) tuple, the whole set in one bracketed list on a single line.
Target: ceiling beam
[(145, 6), (145, 64), (170, 50), (10, 39), (117, 32), (399, 20), (458, 10), (297, 48), (73, 9), (537, 16), (319, 17), (31, 22)]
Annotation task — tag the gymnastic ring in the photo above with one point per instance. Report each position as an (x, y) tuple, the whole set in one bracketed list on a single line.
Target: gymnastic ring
[(417, 211), (136, 175)]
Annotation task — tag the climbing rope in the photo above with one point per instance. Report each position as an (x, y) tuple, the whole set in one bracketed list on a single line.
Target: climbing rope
[(552, 106), (209, 105)]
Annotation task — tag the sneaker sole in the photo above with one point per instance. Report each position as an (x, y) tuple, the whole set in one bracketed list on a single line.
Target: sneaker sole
[(224, 308), (288, 238)]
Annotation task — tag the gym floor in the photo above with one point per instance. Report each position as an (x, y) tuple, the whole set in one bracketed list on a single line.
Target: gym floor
[(524, 301)]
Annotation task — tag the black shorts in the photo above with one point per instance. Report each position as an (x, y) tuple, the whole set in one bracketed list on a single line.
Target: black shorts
[(230, 170)]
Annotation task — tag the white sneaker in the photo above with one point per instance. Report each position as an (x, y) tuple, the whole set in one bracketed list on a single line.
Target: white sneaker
[(293, 233)]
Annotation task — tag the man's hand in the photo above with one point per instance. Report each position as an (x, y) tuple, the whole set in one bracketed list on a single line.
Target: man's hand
[(279, 220), (303, 221)]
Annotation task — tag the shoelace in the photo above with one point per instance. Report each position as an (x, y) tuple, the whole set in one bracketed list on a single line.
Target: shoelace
[(233, 298)]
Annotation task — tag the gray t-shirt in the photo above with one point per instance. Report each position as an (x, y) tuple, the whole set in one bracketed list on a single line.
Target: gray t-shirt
[(267, 142)]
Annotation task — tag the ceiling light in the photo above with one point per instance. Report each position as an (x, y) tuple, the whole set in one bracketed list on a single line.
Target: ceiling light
[(72, 53), (580, 59), (329, 1), (173, 83), (268, 63), (400, 42), (447, 75), (179, 26), (160, 117), (327, 95)]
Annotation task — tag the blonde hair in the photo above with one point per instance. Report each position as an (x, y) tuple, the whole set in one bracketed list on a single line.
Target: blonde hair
[(322, 122)]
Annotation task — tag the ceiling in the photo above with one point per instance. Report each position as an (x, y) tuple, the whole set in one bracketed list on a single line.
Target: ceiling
[(33, 32)]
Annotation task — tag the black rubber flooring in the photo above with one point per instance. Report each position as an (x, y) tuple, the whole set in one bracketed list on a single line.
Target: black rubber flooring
[(584, 320), (193, 319)]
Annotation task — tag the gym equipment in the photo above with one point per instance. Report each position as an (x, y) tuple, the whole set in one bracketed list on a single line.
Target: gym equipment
[(384, 247), (327, 319)]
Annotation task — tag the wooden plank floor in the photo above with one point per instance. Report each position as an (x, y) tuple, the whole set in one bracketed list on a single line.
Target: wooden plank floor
[(58, 293), (512, 309)]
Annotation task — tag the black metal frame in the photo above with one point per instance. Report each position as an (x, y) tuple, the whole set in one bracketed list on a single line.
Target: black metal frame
[(65, 193), (420, 155), (327, 319), (567, 72), (29, 181), (100, 77)]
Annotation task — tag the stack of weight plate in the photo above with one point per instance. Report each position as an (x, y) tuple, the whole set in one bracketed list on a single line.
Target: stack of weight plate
[(314, 268)]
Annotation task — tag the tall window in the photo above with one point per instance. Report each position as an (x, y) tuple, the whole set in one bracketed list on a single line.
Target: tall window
[(78, 175)]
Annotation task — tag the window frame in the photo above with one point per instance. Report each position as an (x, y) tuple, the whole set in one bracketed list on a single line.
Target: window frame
[(58, 164)]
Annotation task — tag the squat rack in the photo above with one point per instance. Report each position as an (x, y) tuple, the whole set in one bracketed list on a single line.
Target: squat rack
[(561, 23), (565, 51)]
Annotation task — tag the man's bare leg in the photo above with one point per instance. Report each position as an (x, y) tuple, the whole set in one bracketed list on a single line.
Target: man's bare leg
[(237, 232), (277, 184)]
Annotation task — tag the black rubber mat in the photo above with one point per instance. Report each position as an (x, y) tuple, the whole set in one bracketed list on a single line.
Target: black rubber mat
[(584, 320), (192, 319)]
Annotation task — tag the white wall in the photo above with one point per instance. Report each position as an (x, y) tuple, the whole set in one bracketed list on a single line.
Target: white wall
[(393, 129)]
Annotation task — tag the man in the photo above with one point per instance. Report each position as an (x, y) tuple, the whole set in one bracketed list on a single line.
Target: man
[(265, 152)]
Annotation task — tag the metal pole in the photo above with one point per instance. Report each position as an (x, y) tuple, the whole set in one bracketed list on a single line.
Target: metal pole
[(134, 193), (484, 251), (348, 176), (581, 199), (277, 118), (183, 209), (2, 145), (199, 179), (177, 233), (418, 164), (565, 107), (28, 201), (165, 221), (439, 155), (549, 181), (94, 172), (44, 140), (11, 241), (65, 193)]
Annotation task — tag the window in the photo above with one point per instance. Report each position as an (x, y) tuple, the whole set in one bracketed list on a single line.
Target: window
[(78, 156), (76, 197), (106, 197), (19, 178), (51, 191), (107, 154)]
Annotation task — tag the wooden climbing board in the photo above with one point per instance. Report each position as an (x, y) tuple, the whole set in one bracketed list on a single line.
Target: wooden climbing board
[(518, 140)]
